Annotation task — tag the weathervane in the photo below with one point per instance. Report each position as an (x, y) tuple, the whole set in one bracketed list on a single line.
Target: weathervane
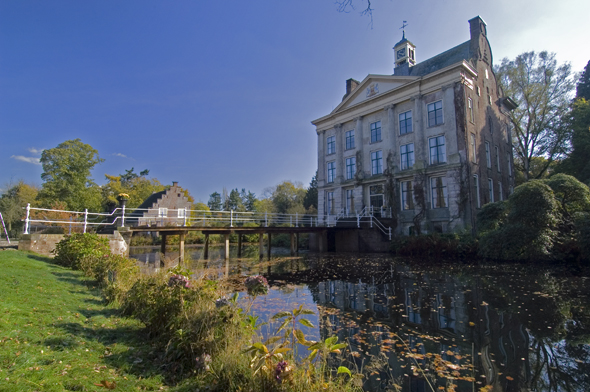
[(404, 25)]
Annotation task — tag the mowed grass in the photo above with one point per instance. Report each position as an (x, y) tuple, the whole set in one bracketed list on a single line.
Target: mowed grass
[(57, 334)]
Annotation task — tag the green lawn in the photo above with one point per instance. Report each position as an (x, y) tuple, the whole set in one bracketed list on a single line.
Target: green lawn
[(57, 334)]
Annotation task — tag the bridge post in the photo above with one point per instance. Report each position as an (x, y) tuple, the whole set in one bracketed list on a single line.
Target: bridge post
[(206, 251), (85, 219), (269, 245), (27, 218), (292, 235), (163, 245), (261, 245), (296, 243), (226, 255), (181, 249), (239, 245)]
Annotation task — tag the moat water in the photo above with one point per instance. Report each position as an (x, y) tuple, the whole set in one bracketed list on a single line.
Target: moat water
[(426, 327)]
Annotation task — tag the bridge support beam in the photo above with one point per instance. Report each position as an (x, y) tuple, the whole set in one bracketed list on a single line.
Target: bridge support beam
[(297, 243), (239, 245), (181, 248), (261, 245), (206, 251), (268, 249), (163, 249), (226, 247), (292, 244)]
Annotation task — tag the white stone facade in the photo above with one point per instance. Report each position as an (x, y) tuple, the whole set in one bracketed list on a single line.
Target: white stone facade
[(449, 98)]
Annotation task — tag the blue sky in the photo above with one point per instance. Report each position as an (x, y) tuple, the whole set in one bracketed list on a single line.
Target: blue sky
[(221, 93)]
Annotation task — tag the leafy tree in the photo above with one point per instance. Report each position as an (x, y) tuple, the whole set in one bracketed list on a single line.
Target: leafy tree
[(571, 195), (583, 87), (310, 202), (233, 202), (543, 90), (13, 202), (578, 163), (248, 200), (287, 198), (66, 176), (214, 203), (137, 186)]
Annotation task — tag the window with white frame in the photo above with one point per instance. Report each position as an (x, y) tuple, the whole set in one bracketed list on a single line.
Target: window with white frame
[(438, 192), (349, 140), (500, 193), (407, 193), (330, 203), (331, 171), (162, 212), (473, 149), (488, 155), (331, 141), (476, 190), (491, 189), (350, 168), (376, 132), (181, 212), (407, 156), (377, 162), (350, 201), (438, 152), (470, 107), (435, 113), (491, 124), (405, 122), (497, 158), (509, 164)]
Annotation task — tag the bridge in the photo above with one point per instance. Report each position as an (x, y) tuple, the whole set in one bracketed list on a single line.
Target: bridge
[(169, 222)]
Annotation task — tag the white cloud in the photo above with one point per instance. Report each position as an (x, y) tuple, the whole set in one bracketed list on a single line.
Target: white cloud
[(118, 154), (33, 160), (34, 150)]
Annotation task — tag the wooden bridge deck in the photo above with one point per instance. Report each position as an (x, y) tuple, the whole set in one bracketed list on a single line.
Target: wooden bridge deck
[(182, 231)]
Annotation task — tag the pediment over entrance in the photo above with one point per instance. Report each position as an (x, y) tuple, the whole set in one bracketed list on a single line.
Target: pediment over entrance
[(373, 86)]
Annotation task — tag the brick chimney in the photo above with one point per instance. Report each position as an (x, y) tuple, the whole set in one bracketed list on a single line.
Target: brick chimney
[(351, 85)]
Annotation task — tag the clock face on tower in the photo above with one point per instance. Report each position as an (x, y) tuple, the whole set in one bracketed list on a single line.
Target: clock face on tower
[(401, 53)]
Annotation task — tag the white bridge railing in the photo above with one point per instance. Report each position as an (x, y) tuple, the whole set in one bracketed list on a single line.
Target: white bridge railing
[(367, 214), (158, 217), (121, 216)]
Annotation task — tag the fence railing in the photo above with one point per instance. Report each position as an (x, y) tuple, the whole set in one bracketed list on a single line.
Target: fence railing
[(122, 216)]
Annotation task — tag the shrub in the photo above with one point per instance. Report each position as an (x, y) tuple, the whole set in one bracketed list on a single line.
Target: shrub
[(583, 234), (491, 216), (114, 273), (70, 251), (436, 246)]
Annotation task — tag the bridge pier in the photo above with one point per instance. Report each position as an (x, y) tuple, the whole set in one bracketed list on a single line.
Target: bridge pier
[(226, 246), (292, 244), (181, 248), (269, 245), (239, 245), (261, 245), (163, 249), (206, 251)]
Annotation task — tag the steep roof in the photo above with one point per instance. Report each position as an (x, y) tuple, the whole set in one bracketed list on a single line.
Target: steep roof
[(452, 56)]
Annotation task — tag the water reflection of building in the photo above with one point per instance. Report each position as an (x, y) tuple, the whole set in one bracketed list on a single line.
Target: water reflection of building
[(434, 314)]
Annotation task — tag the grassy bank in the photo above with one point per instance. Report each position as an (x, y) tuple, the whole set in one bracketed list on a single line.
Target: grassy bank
[(56, 333)]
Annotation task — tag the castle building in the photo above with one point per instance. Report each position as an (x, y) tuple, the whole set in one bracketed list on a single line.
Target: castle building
[(425, 147)]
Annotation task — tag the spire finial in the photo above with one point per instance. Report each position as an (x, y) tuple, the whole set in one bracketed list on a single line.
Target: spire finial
[(403, 28)]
